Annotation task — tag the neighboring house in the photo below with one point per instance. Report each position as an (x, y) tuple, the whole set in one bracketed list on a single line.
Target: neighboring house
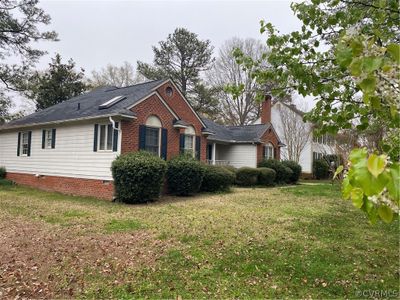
[(69, 147), (314, 147)]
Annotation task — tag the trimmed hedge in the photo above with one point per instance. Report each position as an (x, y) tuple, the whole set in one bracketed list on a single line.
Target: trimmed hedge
[(296, 170), (320, 169), (217, 179), (230, 169), (281, 171), (2, 172), (138, 176), (246, 176), (184, 175), (266, 176)]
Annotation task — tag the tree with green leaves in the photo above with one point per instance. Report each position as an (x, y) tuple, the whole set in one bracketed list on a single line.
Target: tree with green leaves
[(181, 57), (57, 84), (346, 56), (21, 23)]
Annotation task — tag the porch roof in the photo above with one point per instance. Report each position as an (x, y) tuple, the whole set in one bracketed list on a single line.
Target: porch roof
[(236, 134)]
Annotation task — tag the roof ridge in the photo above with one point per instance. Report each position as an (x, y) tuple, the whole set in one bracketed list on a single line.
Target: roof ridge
[(241, 126), (136, 84)]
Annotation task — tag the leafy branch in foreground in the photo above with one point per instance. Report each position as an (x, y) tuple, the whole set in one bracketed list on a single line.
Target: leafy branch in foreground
[(346, 56), (372, 183)]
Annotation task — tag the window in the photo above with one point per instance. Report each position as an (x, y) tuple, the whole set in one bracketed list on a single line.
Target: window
[(269, 151), (105, 137), (48, 138), (189, 145), (25, 143), (153, 132), (152, 143), (169, 91), (317, 155)]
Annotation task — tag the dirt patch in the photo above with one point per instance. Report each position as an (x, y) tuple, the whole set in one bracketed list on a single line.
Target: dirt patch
[(45, 261)]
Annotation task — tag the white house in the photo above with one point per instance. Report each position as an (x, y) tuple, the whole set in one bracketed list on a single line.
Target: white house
[(314, 147)]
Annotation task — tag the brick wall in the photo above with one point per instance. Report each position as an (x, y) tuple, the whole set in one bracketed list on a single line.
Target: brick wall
[(66, 185), (268, 137), (153, 106)]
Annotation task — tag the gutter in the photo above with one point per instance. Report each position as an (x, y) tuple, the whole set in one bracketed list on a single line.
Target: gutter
[(5, 128)]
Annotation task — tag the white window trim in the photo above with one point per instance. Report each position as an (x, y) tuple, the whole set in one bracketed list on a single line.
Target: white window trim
[(105, 139), (159, 138), (46, 139), (21, 149), (271, 147), (193, 144)]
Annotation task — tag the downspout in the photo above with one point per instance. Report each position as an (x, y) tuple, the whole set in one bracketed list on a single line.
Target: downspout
[(113, 124), (119, 134)]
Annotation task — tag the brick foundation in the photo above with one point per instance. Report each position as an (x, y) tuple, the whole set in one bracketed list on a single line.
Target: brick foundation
[(66, 185)]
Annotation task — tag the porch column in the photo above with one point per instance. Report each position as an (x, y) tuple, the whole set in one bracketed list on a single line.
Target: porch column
[(213, 153)]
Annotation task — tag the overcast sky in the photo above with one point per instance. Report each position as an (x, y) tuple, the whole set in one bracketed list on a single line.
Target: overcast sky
[(95, 33)]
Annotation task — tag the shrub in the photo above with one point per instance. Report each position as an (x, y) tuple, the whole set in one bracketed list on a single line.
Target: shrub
[(138, 176), (296, 169), (246, 176), (320, 169), (231, 169), (266, 176), (287, 174), (278, 167), (2, 172), (184, 175), (217, 179)]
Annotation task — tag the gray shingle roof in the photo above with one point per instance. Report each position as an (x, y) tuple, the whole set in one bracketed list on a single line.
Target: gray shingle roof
[(89, 105), (236, 134)]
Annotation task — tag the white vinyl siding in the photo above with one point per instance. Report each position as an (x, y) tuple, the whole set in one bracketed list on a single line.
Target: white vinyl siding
[(73, 156), (241, 155), (306, 156)]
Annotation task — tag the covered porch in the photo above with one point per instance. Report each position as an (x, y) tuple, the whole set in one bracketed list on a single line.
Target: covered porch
[(217, 157)]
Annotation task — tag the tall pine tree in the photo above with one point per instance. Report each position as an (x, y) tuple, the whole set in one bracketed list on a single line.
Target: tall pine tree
[(57, 84)]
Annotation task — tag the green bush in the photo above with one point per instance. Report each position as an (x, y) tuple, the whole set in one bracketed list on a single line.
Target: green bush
[(230, 169), (320, 169), (278, 167), (246, 176), (2, 172), (217, 179), (138, 176), (266, 176), (184, 175), (296, 169), (287, 174)]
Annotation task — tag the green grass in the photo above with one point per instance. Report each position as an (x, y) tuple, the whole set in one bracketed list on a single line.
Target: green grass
[(289, 242), (123, 225)]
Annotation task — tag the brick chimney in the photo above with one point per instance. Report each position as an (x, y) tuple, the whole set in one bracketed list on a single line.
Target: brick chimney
[(266, 110)]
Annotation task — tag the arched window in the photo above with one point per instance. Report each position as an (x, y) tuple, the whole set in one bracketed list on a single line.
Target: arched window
[(153, 135), (190, 140), (268, 151)]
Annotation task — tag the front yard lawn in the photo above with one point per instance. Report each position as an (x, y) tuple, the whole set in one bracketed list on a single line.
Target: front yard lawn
[(293, 242)]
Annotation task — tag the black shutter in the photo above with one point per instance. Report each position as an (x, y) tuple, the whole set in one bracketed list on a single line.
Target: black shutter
[(29, 142), (164, 142), (43, 138), (96, 129), (53, 138), (19, 143), (198, 147), (115, 139), (182, 143), (264, 151), (142, 137)]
